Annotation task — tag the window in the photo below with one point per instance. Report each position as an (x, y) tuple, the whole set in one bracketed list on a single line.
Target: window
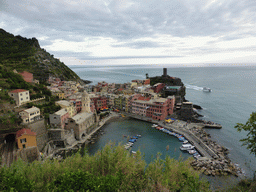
[(26, 93), (21, 99), (26, 97), (24, 146), (20, 94), (54, 117), (11, 94), (23, 140)]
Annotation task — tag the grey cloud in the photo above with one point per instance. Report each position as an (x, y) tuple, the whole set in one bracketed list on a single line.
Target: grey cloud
[(70, 54), (58, 19), (139, 44), (128, 57)]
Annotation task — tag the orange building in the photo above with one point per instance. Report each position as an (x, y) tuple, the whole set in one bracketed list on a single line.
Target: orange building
[(25, 138)]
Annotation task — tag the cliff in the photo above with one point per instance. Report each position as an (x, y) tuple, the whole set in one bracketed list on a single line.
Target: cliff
[(24, 54)]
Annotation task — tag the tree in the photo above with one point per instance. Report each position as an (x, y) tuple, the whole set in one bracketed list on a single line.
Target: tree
[(250, 126)]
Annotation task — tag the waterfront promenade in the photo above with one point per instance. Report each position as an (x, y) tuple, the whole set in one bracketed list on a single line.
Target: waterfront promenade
[(181, 127)]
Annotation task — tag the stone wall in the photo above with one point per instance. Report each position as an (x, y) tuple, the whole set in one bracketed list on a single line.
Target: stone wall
[(41, 133), (28, 154)]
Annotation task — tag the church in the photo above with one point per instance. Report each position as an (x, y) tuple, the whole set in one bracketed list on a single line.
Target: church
[(82, 123)]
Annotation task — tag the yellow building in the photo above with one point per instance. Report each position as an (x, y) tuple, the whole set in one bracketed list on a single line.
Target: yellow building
[(26, 138), (71, 108), (133, 84), (61, 95)]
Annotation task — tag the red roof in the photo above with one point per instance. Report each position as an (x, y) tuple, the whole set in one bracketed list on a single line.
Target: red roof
[(18, 91), (144, 98), (25, 72), (24, 131)]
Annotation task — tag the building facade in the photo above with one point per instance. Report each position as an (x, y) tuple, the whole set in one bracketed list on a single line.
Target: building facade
[(59, 118), (20, 96), (30, 115), (81, 124), (25, 138)]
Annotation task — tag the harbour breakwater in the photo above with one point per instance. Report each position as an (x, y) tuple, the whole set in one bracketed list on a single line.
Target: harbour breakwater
[(214, 158)]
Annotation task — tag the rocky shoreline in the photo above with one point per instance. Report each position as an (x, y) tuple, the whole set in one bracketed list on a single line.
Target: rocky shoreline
[(216, 166), (215, 162)]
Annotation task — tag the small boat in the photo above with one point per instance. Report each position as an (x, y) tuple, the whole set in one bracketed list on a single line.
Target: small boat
[(185, 142), (181, 139), (186, 147), (138, 135), (206, 89), (154, 125), (132, 140), (133, 152), (192, 151)]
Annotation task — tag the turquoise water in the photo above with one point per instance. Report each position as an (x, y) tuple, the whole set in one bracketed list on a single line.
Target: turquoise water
[(151, 142), (231, 101)]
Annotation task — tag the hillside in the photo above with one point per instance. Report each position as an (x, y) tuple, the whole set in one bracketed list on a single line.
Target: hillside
[(24, 54)]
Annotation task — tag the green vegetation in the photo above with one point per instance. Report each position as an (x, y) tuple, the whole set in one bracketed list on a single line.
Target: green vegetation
[(250, 142), (24, 54), (250, 127), (110, 169)]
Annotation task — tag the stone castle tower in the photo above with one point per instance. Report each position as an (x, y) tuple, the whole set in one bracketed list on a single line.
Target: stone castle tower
[(85, 102)]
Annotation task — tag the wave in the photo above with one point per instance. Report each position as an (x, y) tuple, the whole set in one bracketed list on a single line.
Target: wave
[(194, 87)]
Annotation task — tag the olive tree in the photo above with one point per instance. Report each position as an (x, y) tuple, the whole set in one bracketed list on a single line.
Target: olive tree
[(250, 127)]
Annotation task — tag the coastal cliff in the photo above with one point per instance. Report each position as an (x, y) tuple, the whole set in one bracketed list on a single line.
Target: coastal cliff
[(24, 54)]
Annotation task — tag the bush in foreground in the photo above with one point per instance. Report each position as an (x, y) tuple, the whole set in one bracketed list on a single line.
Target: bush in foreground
[(110, 169)]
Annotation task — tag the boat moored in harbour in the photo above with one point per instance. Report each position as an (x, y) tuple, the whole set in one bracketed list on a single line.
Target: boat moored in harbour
[(186, 147)]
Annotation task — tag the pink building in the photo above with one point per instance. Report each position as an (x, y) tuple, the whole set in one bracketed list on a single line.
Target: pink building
[(78, 104), (28, 77), (157, 109), (158, 87), (59, 118), (99, 102), (130, 101)]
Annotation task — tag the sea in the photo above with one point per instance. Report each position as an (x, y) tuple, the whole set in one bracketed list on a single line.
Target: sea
[(231, 101)]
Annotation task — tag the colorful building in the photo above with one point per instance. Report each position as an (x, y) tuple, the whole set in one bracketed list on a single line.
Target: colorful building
[(25, 138), (59, 118), (28, 77), (30, 115), (20, 96), (157, 109), (158, 87), (69, 105)]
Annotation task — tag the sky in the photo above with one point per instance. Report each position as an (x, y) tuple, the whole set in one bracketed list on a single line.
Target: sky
[(106, 32)]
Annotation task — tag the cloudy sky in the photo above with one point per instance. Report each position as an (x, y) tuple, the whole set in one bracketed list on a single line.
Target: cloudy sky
[(137, 31)]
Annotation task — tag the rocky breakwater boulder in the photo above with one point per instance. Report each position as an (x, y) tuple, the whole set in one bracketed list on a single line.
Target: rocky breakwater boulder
[(221, 151), (216, 167)]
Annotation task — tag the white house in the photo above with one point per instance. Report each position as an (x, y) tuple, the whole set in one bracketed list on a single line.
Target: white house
[(20, 96), (30, 115)]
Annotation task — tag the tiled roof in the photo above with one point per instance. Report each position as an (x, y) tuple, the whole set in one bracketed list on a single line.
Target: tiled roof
[(18, 91), (24, 131), (25, 72)]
